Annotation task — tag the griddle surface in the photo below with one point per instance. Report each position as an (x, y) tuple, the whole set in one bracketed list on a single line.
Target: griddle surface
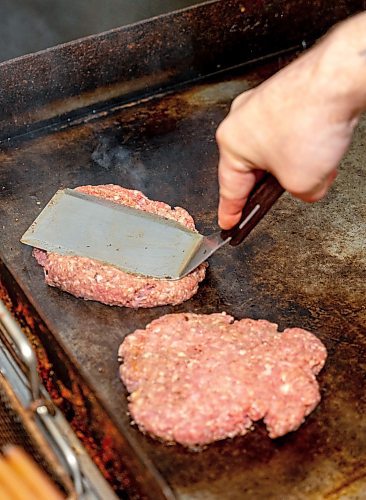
[(302, 266)]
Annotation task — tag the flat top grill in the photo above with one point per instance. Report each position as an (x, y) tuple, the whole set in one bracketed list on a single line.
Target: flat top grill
[(304, 265)]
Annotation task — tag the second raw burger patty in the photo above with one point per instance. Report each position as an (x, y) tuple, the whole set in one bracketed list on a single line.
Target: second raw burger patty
[(195, 379), (93, 280)]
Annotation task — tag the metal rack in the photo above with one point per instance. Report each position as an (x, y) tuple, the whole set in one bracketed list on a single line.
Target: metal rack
[(30, 417)]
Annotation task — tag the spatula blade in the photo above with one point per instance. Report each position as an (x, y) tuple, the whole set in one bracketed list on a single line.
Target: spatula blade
[(137, 242)]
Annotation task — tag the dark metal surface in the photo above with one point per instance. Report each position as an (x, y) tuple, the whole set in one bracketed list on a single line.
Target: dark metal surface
[(31, 25), (302, 266), (152, 55)]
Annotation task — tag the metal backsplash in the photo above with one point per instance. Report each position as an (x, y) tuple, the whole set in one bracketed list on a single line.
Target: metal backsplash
[(132, 61)]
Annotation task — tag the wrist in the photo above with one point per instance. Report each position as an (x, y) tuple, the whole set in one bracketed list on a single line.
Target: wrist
[(343, 65)]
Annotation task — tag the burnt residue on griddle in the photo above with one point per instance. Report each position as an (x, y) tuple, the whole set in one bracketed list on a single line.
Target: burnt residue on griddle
[(77, 78), (304, 265)]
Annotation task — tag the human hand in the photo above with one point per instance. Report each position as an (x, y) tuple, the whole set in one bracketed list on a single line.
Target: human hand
[(297, 125)]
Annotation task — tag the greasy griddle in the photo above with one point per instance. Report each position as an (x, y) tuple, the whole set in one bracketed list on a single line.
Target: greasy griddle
[(303, 266)]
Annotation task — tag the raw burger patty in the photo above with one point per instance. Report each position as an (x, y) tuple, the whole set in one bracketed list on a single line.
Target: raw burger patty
[(92, 280), (195, 379)]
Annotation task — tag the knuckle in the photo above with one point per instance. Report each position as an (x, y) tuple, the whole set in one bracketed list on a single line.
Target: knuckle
[(241, 99), (221, 133), (236, 102)]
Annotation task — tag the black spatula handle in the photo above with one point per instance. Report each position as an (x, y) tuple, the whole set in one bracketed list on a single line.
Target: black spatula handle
[(264, 195)]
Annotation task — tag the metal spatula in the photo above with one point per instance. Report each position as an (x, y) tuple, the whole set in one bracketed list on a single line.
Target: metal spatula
[(141, 243)]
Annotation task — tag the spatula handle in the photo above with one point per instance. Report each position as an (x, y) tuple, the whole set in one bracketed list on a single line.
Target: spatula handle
[(260, 200)]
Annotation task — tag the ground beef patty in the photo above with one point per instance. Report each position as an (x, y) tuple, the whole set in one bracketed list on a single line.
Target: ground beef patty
[(92, 280), (195, 379)]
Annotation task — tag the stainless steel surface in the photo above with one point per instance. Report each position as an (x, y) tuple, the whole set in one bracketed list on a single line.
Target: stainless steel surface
[(47, 421), (135, 241), (138, 242), (11, 330), (33, 397), (208, 247)]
